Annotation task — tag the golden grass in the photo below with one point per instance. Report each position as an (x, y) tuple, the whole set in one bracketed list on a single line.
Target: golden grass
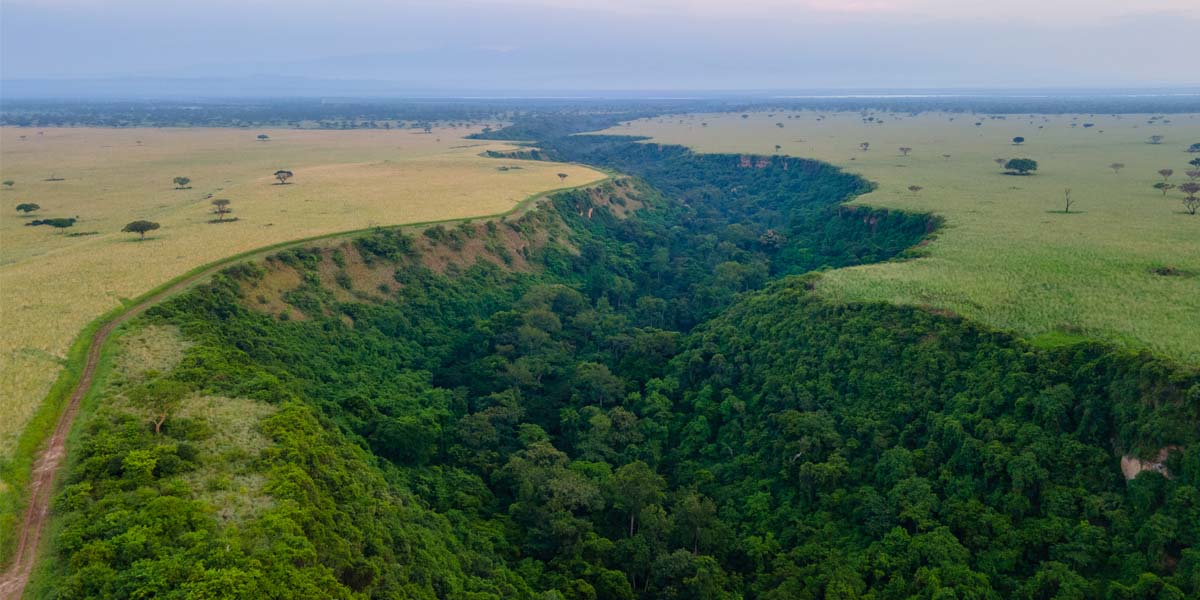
[(1005, 258), (51, 285)]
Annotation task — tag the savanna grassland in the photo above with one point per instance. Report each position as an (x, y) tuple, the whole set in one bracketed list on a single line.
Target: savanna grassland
[(53, 282), (1122, 266)]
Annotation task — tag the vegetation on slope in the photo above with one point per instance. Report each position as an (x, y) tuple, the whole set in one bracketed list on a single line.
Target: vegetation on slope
[(641, 414)]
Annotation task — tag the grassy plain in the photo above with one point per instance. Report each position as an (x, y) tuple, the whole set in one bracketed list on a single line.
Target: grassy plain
[(53, 284), (1008, 256)]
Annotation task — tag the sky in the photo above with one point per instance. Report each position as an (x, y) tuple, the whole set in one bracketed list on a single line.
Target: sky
[(611, 44)]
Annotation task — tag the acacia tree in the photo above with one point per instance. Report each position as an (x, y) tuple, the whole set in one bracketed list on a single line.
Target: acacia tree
[(27, 207), (262, 137), (1017, 141), (1164, 187), (1156, 139), (1000, 161), (1021, 166), (1194, 148), (161, 397), (181, 183), (140, 228), (1067, 201), (864, 146), (1116, 167), (904, 150), (562, 177), (1195, 162), (1192, 174), (221, 208), (8, 183), (1166, 173), (283, 175), (1191, 203), (915, 188)]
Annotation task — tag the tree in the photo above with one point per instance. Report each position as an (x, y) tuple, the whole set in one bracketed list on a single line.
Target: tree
[(1194, 148), (946, 156), (27, 207), (1195, 162), (283, 175), (161, 397), (8, 183), (562, 177), (1021, 166), (57, 223), (262, 137), (1191, 202), (1017, 141), (1000, 161), (1164, 187), (904, 150), (1156, 139), (221, 207), (634, 487), (1067, 201), (915, 188), (778, 148), (1166, 173), (140, 228), (864, 146), (1192, 174), (1116, 167), (181, 183)]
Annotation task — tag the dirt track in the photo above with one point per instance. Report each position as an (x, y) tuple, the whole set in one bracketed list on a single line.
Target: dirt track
[(48, 463)]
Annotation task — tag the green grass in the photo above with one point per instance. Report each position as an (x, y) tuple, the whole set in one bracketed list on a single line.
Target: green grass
[(1008, 256), (15, 469)]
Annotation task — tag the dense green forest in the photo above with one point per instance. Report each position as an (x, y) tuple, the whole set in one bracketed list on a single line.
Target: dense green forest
[(656, 407)]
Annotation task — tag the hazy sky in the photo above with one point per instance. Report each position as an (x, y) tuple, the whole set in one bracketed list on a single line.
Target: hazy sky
[(613, 44)]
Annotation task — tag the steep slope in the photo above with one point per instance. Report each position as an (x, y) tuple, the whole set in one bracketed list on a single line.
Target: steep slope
[(624, 394)]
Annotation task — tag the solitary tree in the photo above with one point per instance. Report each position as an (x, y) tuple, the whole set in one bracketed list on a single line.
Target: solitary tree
[(562, 176), (1000, 161), (9, 183), (1067, 201), (1194, 148), (1021, 166), (140, 228), (904, 150), (778, 148), (864, 146), (1116, 167), (262, 137), (915, 188), (1164, 187), (1156, 139), (181, 183), (1192, 174), (57, 223), (946, 156), (1017, 141), (221, 207), (1166, 173), (27, 207), (283, 175), (1191, 203), (160, 397)]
